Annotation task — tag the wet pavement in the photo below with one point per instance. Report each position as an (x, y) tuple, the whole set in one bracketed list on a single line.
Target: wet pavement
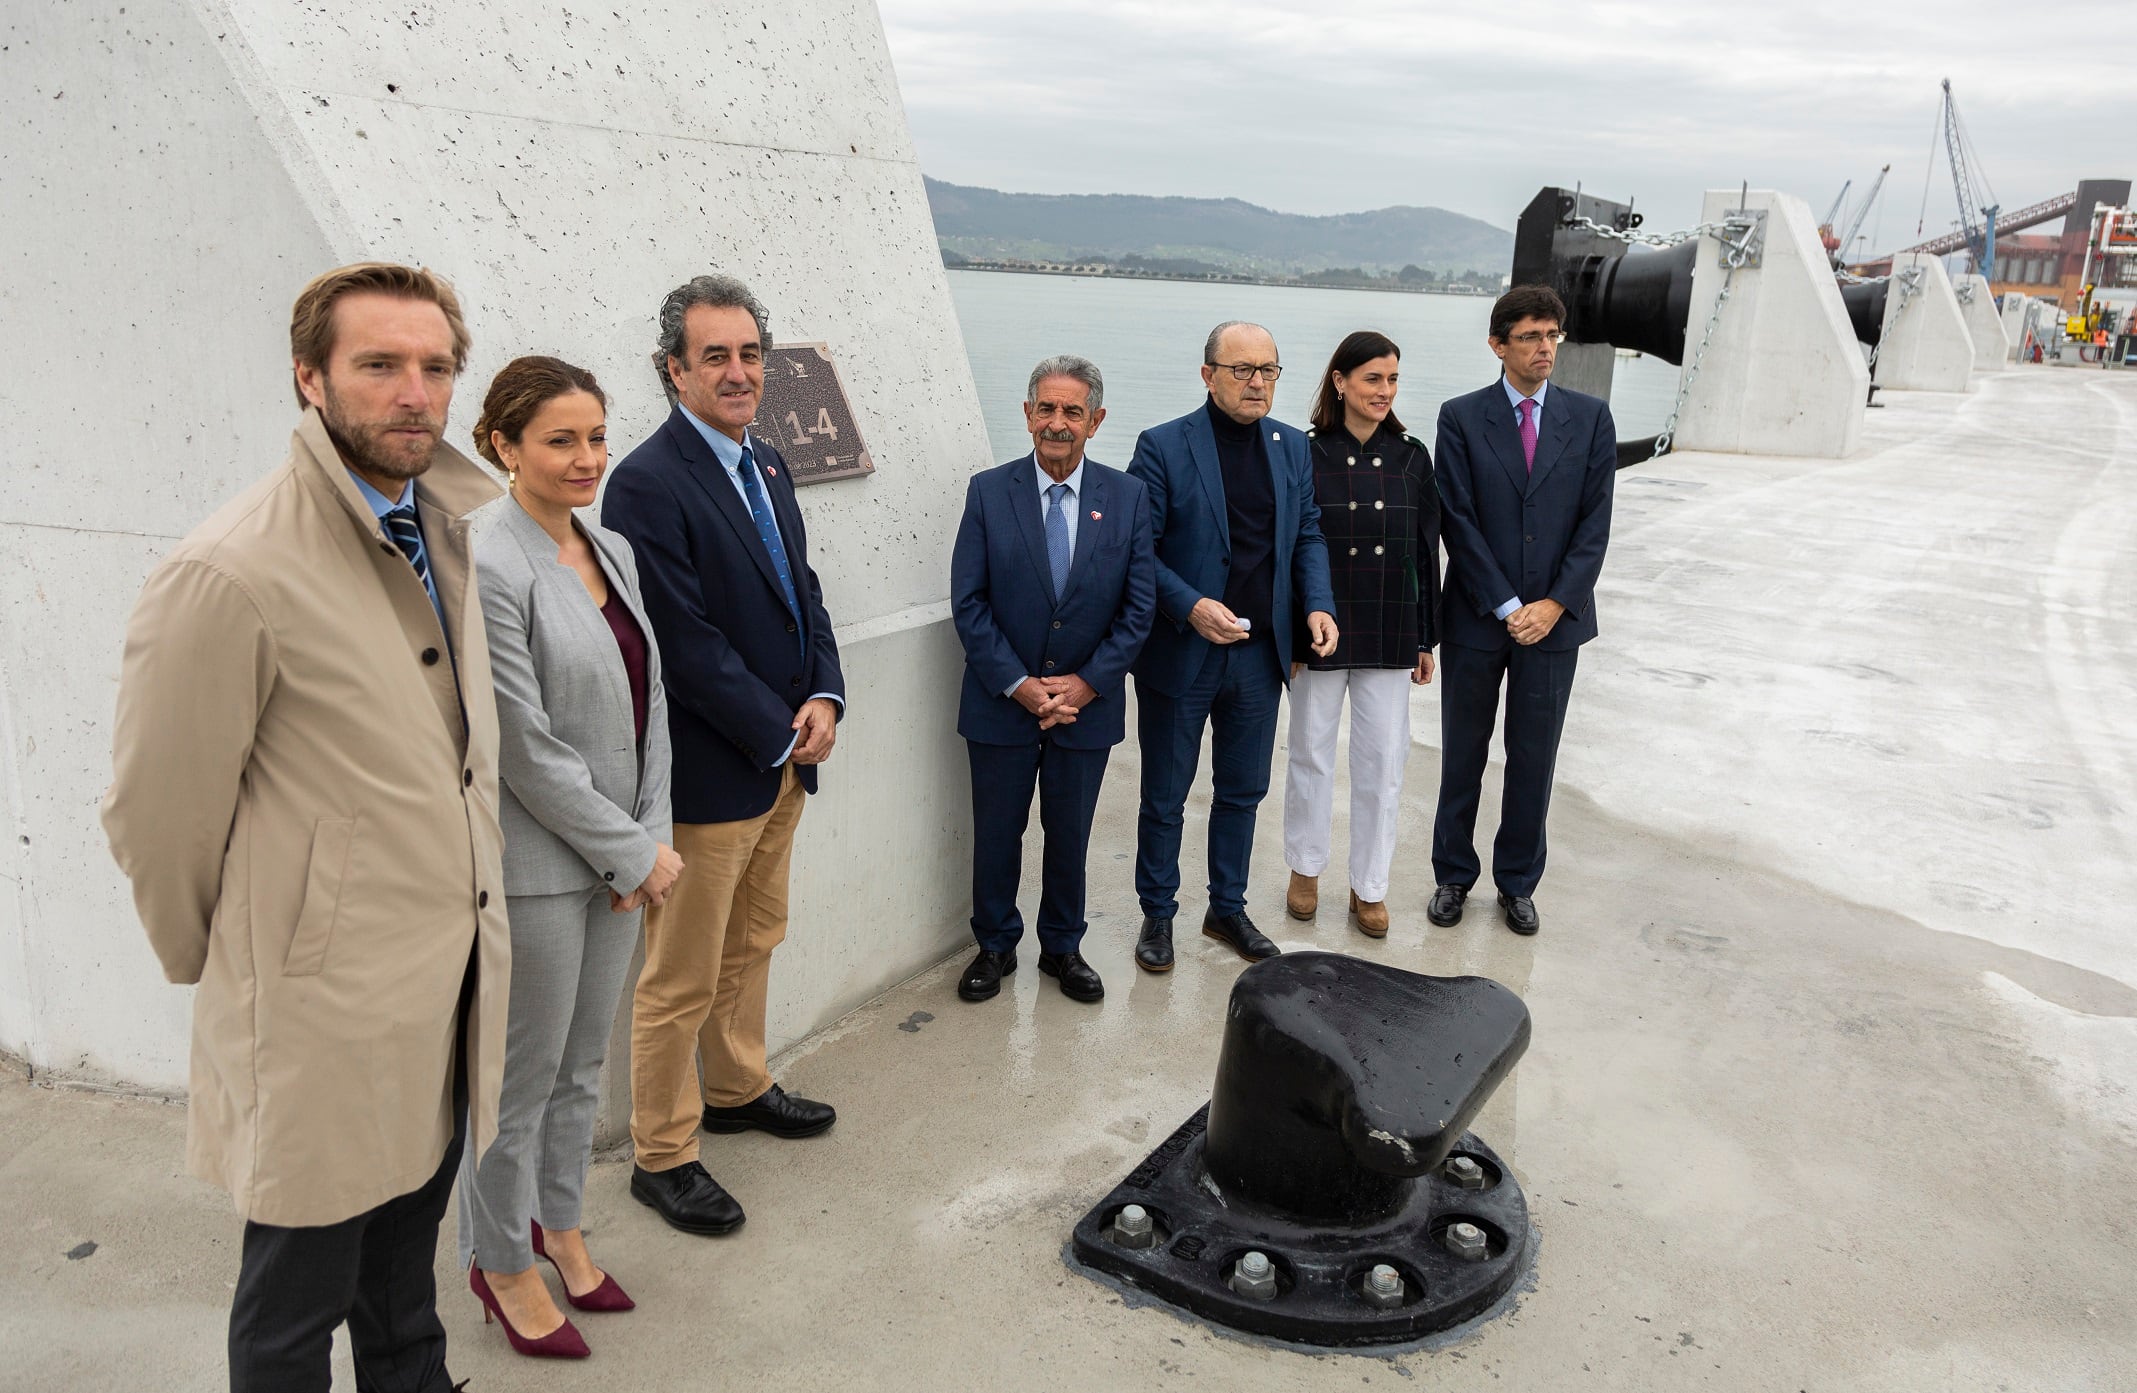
[(1835, 1013)]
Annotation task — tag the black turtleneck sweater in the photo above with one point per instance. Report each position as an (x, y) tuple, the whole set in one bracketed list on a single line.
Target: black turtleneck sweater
[(1250, 511)]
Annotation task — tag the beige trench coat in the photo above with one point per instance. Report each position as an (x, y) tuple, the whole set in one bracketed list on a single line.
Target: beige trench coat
[(311, 832)]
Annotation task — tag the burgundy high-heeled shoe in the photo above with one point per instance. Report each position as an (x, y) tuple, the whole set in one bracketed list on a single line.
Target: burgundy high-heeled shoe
[(606, 1297), (564, 1342)]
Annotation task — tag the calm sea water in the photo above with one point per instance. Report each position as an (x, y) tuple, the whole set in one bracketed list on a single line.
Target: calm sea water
[(1146, 337)]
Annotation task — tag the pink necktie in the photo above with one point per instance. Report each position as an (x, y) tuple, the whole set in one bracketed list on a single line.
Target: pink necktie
[(1527, 408)]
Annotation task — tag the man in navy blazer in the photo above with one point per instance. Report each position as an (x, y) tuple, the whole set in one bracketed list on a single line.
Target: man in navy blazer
[(1525, 474), (754, 697), (1052, 587), (1239, 555)]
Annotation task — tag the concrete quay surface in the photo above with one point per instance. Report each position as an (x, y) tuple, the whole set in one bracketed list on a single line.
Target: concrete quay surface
[(1835, 1014)]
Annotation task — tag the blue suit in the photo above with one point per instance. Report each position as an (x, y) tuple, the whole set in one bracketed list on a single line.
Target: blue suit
[(1513, 533), (1184, 682), (1014, 626), (738, 662)]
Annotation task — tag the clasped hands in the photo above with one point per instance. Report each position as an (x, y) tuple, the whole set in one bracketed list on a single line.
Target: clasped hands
[(658, 885), (1215, 621), (1534, 621), (1056, 701)]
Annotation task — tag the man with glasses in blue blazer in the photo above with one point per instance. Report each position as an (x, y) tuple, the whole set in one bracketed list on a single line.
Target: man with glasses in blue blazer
[(1239, 554)]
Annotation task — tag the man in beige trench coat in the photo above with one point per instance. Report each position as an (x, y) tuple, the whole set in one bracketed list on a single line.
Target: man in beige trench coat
[(305, 799)]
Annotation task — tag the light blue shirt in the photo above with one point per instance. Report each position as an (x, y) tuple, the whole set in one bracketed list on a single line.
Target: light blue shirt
[(1070, 506), (1514, 399), (382, 505), (728, 451)]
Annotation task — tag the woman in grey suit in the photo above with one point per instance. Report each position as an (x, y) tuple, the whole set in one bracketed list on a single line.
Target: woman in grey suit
[(583, 763)]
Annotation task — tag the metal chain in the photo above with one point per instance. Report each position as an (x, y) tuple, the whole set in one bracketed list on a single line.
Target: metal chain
[(1910, 279), (1651, 239), (1734, 253)]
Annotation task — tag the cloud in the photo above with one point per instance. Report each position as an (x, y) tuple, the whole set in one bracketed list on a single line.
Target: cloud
[(1347, 104)]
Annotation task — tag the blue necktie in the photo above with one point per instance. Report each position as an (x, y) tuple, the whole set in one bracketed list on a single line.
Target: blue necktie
[(1057, 541), (760, 508), (401, 527)]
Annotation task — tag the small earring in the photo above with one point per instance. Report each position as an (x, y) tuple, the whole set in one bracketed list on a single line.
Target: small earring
[(511, 478)]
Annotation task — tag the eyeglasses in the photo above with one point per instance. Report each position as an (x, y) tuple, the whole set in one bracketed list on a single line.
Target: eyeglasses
[(1536, 336), (1247, 372)]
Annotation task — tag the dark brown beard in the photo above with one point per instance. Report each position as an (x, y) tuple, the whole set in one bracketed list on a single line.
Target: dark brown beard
[(362, 443)]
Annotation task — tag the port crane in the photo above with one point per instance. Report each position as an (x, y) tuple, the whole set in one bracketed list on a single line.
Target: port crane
[(1837, 243), (1977, 215)]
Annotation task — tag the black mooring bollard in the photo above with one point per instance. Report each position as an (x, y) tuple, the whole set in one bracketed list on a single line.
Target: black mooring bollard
[(1328, 1194)]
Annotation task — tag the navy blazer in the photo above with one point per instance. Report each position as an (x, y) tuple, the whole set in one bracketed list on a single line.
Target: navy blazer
[(738, 663), (1013, 625), (1177, 464), (1511, 531)]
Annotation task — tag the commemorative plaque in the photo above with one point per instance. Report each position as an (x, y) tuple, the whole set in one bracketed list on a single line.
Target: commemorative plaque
[(806, 415)]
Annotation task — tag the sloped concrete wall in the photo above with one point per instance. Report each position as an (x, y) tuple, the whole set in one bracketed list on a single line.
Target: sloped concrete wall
[(1984, 324), (174, 173), (1926, 346), (1782, 374)]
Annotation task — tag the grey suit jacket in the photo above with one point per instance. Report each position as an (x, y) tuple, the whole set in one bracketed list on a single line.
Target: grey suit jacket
[(581, 804)]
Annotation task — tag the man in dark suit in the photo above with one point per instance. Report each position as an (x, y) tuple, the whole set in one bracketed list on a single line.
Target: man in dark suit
[(754, 697), (1525, 473), (1052, 586), (1239, 553)]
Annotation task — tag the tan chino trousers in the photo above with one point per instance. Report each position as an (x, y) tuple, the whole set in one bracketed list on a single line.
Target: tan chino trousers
[(697, 1019)]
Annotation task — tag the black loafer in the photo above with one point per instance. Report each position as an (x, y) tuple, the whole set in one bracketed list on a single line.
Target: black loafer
[(1520, 913), (1079, 980), (1153, 948), (687, 1198), (1238, 933), (775, 1111), (1446, 907), (983, 978)]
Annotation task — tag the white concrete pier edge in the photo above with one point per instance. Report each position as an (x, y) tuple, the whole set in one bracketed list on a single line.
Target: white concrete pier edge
[(1977, 302), (1926, 346), (176, 171), (1782, 374)]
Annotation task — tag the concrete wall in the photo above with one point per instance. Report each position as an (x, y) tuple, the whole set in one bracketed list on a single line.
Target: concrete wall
[(1926, 346), (173, 174), (1782, 373), (1984, 324)]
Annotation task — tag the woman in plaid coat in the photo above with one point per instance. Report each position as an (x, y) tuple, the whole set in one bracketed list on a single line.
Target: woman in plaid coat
[(1380, 513)]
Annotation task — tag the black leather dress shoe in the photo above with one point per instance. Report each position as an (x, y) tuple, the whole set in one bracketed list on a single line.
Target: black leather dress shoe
[(775, 1111), (1079, 980), (1153, 949), (1520, 913), (1446, 907), (983, 977), (687, 1198), (1238, 933)]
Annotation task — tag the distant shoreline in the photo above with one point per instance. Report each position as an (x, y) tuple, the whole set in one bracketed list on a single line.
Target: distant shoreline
[(1288, 283)]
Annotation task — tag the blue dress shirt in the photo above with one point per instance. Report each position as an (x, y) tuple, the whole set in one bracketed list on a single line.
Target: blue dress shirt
[(728, 451), (1514, 400), (1069, 507), (382, 505)]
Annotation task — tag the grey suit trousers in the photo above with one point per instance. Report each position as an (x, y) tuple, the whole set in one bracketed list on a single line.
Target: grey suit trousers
[(570, 953)]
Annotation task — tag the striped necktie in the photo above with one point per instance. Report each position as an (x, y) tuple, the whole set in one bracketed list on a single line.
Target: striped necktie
[(401, 527)]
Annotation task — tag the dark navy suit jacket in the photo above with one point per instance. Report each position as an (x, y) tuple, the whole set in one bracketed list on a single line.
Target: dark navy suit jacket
[(1177, 464), (1511, 531), (1013, 625), (738, 663)]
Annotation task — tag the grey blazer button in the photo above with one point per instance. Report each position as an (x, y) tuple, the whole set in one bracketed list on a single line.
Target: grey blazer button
[(608, 875), (1057, 623), (430, 657), (482, 901), (1049, 662)]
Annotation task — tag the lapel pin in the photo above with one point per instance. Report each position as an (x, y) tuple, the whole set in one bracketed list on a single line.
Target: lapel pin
[(1276, 435), (769, 470), (1096, 515)]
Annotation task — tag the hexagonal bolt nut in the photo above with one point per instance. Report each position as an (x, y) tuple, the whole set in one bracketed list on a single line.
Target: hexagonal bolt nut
[(1254, 1276), (1466, 1241), (1382, 1287), (1132, 1228), (1465, 1172)]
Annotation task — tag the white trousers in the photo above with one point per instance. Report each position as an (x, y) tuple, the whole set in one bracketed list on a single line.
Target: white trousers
[(1379, 752)]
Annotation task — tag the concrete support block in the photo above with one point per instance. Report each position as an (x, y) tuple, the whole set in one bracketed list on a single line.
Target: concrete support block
[(1984, 324), (2013, 319), (1926, 346), (182, 167), (1782, 373)]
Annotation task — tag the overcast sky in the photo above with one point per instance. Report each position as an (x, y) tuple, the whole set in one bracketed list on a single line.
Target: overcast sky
[(1332, 106)]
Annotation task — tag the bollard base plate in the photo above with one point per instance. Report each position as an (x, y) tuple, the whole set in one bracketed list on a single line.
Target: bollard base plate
[(1320, 1269)]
